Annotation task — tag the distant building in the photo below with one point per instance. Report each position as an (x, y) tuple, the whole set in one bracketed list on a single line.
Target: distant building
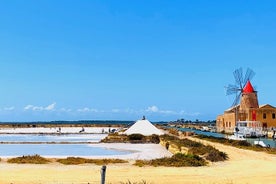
[(248, 111)]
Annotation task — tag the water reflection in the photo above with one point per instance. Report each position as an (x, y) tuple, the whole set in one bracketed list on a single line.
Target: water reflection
[(13, 150), (199, 132), (51, 138)]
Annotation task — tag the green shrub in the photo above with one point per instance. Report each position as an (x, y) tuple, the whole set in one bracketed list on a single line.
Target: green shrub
[(238, 144), (241, 143), (197, 148), (29, 159), (78, 160), (173, 131), (216, 156), (136, 137), (210, 153), (155, 139), (202, 150), (177, 160), (133, 138), (72, 160)]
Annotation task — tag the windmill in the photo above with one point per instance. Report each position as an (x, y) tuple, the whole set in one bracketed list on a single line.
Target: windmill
[(242, 89)]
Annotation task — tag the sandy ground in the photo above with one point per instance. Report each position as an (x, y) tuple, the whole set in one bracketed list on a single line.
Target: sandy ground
[(243, 167), (137, 151)]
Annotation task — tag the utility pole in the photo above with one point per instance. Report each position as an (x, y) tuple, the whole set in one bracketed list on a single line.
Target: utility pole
[(103, 171)]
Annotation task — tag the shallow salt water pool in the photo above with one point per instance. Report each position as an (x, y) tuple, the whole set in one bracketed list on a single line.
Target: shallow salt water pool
[(76, 145), (57, 150), (51, 138)]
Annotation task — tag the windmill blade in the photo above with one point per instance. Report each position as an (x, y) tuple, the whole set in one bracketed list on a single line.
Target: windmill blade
[(232, 89), (238, 77), (255, 88), (248, 75), (237, 99)]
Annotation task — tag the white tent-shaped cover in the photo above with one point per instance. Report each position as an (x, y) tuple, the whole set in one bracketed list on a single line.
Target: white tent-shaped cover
[(143, 127)]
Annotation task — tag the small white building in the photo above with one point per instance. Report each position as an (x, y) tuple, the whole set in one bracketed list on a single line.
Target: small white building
[(143, 127)]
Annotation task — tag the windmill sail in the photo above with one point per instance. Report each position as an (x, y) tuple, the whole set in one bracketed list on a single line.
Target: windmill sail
[(240, 83)]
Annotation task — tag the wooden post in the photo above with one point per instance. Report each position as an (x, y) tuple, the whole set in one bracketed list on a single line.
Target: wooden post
[(103, 171)]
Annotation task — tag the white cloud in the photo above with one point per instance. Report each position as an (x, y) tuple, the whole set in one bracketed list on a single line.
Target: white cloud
[(115, 110), (37, 108), (189, 113), (130, 111), (152, 109), (155, 109), (65, 110), (28, 107), (50, 107), (168, 112), (9, 108), (86, 109), (40, 108)]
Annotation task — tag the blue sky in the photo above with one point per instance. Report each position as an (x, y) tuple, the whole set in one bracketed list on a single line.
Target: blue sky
[(119, 60)]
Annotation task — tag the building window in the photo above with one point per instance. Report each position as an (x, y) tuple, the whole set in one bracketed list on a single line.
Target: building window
[(229, 124), (273, 115), (264, 115)]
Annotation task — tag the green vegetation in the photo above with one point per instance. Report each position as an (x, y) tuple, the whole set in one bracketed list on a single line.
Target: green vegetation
[(177, 160), (197, 154), (173, 131), (36, 159), (133, 138), (78, 160), (136, 137), (237, 144), (29, 159), (195, 148), (141, 138)]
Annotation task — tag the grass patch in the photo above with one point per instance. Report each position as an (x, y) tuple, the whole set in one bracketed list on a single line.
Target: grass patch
[(237, 144), (173, 131), (133, 138), (195, 148), (29, 159), (177, 160), (79, 160)]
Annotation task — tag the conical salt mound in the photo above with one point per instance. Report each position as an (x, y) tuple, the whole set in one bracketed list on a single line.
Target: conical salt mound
[(143, 127)]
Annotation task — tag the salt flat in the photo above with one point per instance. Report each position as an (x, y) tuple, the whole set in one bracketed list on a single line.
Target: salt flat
[(244, 166), (58, 129)]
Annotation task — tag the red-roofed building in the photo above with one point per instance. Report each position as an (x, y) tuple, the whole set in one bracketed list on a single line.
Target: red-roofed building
[(247, 111)]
